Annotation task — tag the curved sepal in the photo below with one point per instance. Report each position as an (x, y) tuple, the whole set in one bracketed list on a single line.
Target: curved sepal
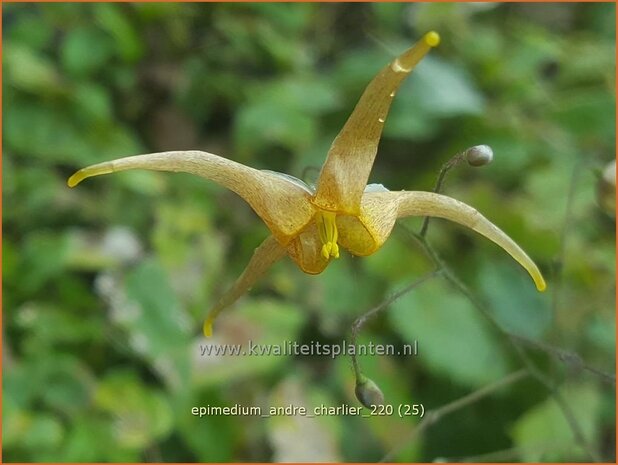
[(345, 173), (265, 256), (442, 206), (283, 205)]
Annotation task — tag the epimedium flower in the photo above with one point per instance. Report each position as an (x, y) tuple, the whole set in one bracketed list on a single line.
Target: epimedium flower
[(311, 224)]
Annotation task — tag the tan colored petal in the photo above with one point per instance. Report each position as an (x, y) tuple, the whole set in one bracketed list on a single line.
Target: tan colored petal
[(350, 158), (365, 234), (306, 251), (266, 255), (283, 205), (441, 206)]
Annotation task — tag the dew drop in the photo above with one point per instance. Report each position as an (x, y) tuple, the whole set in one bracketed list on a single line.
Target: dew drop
[(392, 93), (396, 66), (381, 120)]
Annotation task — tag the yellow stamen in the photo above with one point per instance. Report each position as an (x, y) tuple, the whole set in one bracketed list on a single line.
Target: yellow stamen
[(327, 229)]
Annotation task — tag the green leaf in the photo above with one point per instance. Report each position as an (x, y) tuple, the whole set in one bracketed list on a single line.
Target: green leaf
[(43, 432), (79, 446), (397, 259), (291, 19), (544, 435), (15, 421), (265, 123), (341, 297), (309, 94), (85, 51), (265, 322), (436, 89), (210, 439), (45, 255), (601, 332), (47, 133), (517, 306), (30, 31), (116, 23), (444, 89), (158, 325), (141, 415), (453, 338), (29, 70), (587, 113), (51, 325), (93, 101)]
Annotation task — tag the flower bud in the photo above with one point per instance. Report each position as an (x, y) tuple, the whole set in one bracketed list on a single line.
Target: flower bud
[(368, 393), (479, 155)]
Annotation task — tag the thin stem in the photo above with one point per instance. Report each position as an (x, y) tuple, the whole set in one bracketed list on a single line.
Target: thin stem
[(361, 320), (572, 359), (454, 161), (519, 351), (433, 416)]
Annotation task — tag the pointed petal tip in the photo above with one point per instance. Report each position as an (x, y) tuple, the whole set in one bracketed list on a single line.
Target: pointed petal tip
[(442, 206), (534, 273), (89, 171), (75, 179), (541, 286), (432, 39), (207, 328)]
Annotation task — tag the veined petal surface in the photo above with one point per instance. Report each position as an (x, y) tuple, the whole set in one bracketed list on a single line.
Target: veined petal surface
[(265, 256), (283, 205), (442, 206), (365, 234), (379, 211), (305, 250), (345, 173)]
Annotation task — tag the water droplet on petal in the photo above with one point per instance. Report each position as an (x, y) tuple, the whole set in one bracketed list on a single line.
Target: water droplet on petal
[(398, 68), (381, 120)]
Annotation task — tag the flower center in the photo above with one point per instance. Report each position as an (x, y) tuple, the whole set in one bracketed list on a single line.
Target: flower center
[(327, 229)]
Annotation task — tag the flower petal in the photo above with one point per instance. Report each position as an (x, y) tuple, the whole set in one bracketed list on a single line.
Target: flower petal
[(306, 251), (441, 206), (365, 234), (266, 255), (379, 211), (346, 170), (283, 205)]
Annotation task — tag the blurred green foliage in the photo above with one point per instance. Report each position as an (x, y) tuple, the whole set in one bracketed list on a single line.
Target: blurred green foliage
[(106, 285)]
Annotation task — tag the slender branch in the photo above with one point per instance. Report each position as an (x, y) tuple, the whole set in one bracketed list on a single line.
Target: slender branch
[(520, 352), (560, 258), (433, 416), (362, 320), (515, 340), (454, 161), (572, 359)]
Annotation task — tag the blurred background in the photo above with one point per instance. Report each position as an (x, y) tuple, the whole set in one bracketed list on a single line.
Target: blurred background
[(106, 285)]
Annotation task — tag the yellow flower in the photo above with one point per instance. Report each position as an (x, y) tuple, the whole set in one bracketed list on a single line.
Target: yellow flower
[(311, 224)]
